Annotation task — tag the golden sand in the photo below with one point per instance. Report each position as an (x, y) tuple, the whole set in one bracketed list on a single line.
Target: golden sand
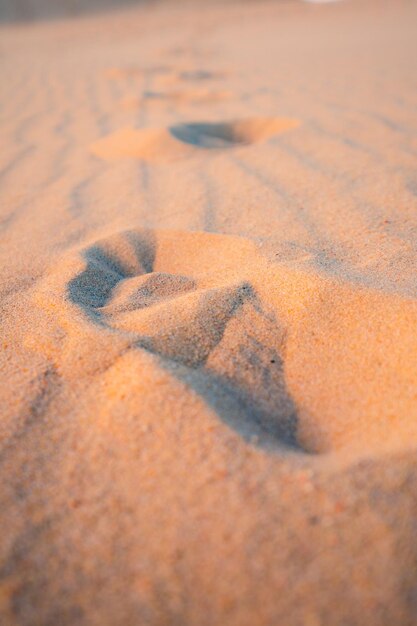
[(209, 317)]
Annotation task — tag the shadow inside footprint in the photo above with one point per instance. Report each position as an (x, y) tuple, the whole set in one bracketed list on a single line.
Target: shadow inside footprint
[(236, 366), (208, 135), (238, 408), (214, 135), (107, 264)]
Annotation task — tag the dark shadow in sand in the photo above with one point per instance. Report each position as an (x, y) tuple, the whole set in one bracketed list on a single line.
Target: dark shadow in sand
[(208, 135), (269, 421), (240, 411), (106, 267)]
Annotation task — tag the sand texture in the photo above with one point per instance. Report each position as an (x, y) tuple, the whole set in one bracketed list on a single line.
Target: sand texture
[(208, 306)]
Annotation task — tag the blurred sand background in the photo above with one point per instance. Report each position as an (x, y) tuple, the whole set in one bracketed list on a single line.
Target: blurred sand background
[(208, 313)]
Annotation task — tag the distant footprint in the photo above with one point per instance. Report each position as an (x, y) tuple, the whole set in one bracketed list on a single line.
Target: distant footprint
[(198, 75), (192, 96), (190, 76), (124, 72), (183, 140), (133, 71)]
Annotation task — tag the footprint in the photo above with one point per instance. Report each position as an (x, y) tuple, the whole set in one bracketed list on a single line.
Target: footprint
[(128, 71), (184, 140), (200, 75), (193, 310), (278, 351), (133, 71), (190, 76), (196, 96)]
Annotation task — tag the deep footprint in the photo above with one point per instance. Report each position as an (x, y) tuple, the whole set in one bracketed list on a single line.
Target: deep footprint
[(256, 341), (199, 316)]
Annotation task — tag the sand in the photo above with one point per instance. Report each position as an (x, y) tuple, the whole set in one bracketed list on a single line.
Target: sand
[(208, 314)]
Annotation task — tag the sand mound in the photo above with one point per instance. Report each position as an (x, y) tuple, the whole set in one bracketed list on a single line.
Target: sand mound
[(184, 140)]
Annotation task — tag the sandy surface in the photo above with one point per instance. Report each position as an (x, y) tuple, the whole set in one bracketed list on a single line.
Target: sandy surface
[(208, 316)]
